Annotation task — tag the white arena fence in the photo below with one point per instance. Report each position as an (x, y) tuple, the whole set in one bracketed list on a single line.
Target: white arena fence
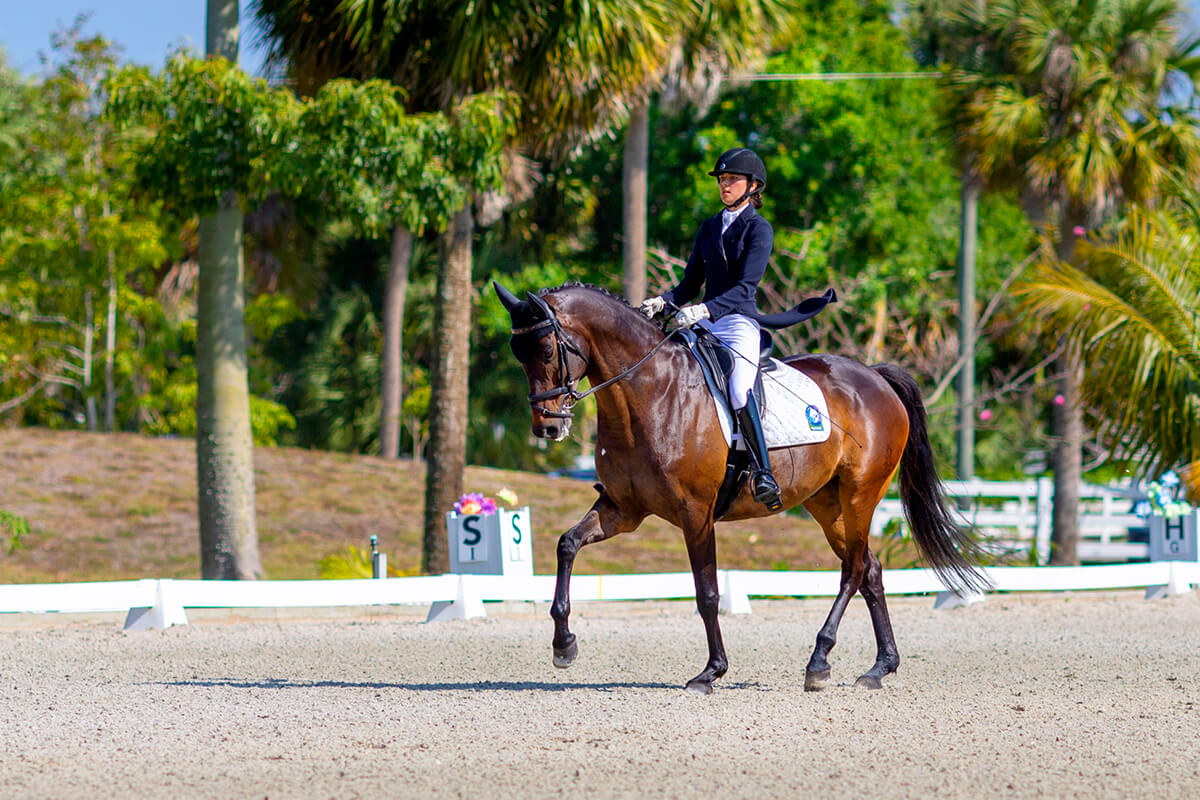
[(159, 603), (1016, 516), (1011, 515)]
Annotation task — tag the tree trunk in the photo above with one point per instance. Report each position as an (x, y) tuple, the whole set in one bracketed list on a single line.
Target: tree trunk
[(1067, 433), (448, 384), (110, 347), (221, 30), (89, 336), (635, 164), (224, 445), (968, 226), (393, 342)]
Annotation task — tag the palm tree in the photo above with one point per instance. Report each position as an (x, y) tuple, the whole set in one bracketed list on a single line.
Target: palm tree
[(575, 68), (1133, 303), (1066, 101), (224, 445)]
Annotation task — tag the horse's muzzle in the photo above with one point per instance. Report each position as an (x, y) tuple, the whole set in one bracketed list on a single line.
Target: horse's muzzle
[(553, 429)]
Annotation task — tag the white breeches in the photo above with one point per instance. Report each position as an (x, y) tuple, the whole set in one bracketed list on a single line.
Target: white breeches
[(741, 335)]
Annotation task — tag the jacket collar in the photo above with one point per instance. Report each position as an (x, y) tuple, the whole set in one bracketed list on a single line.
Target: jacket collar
[(743, 219)]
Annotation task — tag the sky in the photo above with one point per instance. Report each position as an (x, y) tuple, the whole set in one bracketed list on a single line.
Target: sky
[(147, 29)]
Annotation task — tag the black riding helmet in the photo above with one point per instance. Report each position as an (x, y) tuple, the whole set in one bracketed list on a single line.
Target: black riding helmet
[(743, 161)]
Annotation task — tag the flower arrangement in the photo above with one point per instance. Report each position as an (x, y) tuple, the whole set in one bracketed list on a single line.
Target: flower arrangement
[(474, 503), (1161, 495)]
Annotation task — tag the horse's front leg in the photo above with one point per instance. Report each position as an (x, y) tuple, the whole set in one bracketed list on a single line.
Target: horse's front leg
[(604, 520), (702, 551)]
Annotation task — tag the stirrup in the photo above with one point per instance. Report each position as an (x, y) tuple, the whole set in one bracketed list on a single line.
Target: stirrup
[(766, 490)]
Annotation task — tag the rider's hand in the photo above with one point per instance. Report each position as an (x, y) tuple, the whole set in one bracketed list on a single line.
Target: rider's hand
[(652, 306), (690, 315)]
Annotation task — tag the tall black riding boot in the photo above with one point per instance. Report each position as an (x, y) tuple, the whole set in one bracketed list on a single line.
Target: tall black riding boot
[(762, 482)]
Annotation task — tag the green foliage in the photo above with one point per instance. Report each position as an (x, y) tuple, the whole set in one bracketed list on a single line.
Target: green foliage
[(355, 155), (176, 412), (860, 175), (202, 128), (354, 563), (576, 68), (14, 527), (1131, 303), (1071, 104), (350, 563), (338, 385), (69, 230)]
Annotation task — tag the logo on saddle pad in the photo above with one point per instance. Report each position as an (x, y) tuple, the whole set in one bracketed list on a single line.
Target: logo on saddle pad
[(814, 418)]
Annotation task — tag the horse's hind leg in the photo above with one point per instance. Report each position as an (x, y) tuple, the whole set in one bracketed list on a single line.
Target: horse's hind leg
[(887, 658), (601, 522), (829, 508)]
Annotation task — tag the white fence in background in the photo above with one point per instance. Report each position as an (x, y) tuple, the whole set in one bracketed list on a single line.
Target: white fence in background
[(159, 603), (1016, 516)]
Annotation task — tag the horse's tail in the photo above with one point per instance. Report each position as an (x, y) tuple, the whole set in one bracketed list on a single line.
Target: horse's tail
[(947, 547)]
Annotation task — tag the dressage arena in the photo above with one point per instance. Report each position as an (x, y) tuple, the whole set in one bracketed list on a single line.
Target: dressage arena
[(1080, 694)]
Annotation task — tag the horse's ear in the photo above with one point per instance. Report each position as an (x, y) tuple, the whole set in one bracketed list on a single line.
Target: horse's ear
[(540, 304), (510, 301)]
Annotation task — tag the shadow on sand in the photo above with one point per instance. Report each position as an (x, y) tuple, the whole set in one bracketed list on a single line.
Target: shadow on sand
[(461, 686)]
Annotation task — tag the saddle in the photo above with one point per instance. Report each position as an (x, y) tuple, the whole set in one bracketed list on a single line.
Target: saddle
[(716, 362)]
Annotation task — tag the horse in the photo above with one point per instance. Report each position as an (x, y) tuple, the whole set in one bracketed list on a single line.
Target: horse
[(660, 450)]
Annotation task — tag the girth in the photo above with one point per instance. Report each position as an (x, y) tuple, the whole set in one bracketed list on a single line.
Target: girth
[(716, 360)]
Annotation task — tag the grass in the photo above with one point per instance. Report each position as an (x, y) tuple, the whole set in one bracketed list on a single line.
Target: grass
[(122, 506)]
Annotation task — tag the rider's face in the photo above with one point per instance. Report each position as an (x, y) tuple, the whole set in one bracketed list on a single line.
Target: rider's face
[(731, 187)]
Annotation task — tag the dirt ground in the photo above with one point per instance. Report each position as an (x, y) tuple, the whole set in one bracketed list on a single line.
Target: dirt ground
[(1089, 694)]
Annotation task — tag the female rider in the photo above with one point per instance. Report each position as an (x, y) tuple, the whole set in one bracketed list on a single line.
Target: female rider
[(729, 258)]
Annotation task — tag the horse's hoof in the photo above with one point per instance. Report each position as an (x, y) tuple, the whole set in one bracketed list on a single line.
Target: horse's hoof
[(868, 681), (565, 656), (816, 681), (699, 687)]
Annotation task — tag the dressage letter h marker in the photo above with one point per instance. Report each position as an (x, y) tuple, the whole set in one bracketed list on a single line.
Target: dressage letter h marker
[(1174, 538)]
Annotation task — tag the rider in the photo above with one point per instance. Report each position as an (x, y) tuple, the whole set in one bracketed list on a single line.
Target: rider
[(729, 258)]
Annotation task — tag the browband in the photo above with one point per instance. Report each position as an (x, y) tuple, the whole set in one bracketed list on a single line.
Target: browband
[(534, 327)]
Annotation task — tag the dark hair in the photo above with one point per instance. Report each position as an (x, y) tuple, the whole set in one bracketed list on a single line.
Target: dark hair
[(756, 200)]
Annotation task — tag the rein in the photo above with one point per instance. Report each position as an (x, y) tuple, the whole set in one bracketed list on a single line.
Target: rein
[(565, 343)]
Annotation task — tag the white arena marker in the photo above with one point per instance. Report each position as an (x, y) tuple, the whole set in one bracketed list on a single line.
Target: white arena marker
[(165, 612), (1176, 585), (733, 601), (954, 599), (468, 604)]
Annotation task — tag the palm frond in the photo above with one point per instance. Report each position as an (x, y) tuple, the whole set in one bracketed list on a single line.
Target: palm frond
[(1131, 305)]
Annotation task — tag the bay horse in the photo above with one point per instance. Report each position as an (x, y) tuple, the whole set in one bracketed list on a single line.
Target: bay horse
[(660, 450)]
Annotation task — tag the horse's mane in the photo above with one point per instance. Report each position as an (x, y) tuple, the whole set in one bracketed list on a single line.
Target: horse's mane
[(590, 286), (598, 290)]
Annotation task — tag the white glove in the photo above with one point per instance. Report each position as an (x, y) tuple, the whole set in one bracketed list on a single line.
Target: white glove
[(652, 306), (690, 315)]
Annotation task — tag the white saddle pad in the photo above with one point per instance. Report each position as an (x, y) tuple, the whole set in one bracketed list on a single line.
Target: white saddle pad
[(796, 409)]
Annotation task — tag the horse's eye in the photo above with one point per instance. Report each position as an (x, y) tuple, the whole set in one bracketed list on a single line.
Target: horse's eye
[(547, 353)]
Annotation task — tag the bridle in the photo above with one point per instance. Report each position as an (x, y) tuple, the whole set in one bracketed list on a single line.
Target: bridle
[(565, 345)]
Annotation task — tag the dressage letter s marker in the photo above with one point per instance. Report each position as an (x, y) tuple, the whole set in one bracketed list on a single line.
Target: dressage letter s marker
[(516, 528), (477, 535)]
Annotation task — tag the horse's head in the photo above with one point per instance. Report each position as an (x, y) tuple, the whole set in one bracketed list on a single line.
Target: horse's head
[(553, 361)]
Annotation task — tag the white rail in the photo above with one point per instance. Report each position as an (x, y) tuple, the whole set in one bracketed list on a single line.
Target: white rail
[(160, 603), (1017, 515)]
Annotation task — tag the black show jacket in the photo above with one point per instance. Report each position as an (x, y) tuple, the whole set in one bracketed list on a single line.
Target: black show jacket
[(730, 265)]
